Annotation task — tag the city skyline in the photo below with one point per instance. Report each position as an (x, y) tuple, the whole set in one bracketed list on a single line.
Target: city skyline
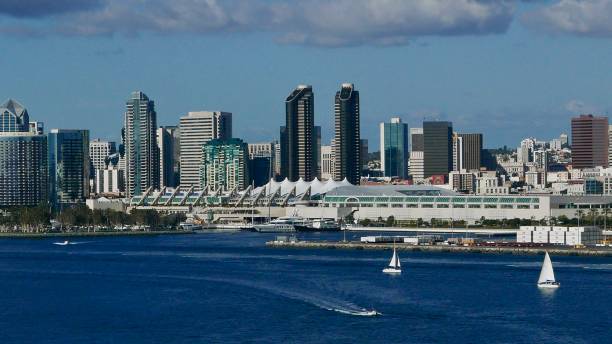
[(505, 71)]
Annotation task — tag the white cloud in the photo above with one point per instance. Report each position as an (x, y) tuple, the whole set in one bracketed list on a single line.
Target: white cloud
[(316, 22), (576, 17)]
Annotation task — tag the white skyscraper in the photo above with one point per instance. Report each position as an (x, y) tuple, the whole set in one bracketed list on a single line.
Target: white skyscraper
[(417, 168), (98, 152), (196, 129), (327, 162)]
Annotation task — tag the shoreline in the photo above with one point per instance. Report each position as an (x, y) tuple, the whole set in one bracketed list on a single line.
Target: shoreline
[(553, 250), (87, 234)]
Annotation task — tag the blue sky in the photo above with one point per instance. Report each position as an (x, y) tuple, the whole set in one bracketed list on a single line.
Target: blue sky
[(509, 69)]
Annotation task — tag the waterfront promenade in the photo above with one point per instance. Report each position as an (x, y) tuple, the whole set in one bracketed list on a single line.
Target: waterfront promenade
[(518, 250)]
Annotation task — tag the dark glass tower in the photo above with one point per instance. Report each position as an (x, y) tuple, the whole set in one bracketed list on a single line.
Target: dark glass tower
[(68, 166), (141, 151), (394, 148), (347, 140), (438, 148), (297, 136)]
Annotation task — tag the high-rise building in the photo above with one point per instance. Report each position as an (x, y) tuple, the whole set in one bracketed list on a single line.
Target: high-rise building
[(564, 140), (525, 151), (364, 151), (169, 155), (23, 159), (277, 159), (298, 137), (69, 166), (471, 151), (110, 180), (438, 148), (347, 139), (394, 148), (416, 153), (589, 141), (316, 154), (261, 157), (196, 129), (327, 162), (99, 151), (609, 145), (225, 165), (141, 152)]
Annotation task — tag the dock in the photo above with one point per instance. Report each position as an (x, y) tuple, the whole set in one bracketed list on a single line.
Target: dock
[(436, 230), (516, 250)]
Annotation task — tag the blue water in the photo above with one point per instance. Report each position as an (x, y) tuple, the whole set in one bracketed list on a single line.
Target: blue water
[(230, 288)]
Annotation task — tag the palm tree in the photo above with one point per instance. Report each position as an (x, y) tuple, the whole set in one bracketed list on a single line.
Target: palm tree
[(579, 214)]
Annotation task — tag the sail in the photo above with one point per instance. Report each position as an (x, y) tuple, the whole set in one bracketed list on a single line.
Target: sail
[(393, 261), (547, 273), (397, 261)]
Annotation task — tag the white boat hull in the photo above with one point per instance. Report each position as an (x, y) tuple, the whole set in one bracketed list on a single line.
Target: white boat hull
[(548, 285), (392, 271)]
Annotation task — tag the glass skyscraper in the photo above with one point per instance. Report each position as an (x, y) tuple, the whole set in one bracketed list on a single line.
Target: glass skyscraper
[(69, 166), (298, 142), (394, 148), (438, 148), (347, 140), (141, 151)]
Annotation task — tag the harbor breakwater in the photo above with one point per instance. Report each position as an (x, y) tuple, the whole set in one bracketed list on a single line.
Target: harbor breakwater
[(553, 250)]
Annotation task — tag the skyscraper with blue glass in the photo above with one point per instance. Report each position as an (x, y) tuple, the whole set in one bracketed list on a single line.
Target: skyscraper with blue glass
[(394, 148), (68, 166)]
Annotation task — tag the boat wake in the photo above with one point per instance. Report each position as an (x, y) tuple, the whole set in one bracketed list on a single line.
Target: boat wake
[(323, 302)]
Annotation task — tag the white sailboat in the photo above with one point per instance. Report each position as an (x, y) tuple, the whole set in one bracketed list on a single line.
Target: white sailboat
[(547, 275), (394, 265)]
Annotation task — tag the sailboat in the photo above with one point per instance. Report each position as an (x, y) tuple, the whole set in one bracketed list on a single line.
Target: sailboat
[(547, 275), (394, 265)]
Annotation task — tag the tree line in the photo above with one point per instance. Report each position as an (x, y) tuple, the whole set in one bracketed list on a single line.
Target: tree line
[(38, 218)]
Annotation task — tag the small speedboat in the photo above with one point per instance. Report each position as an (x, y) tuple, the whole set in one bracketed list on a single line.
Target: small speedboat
[(63, 243), (370, 313)]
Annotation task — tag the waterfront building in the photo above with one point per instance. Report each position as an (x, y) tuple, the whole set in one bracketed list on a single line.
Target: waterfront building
[(347, 139), (297, 136), (416, 153), (169, 155), (589, 141), (23, 159), (437, 145), (197, 129), (394, 148), (69, 166), (141, 152), (327, 162), (224, 165)]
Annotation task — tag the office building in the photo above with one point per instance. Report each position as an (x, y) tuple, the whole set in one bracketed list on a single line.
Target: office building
[(394, 152), (196, 129), (437, 140), (609, 145), (589, 141), (141, 152), (37, 128), (69, 166), (298, 137), (416, 153), (327, 162), (316, 153), (262, 160), (225, 165), (23, 159), (347, 139), (99, 151), (471, 150), (169, 155)]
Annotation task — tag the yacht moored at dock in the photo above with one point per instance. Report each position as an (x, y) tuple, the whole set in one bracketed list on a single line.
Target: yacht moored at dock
[(283, 224)]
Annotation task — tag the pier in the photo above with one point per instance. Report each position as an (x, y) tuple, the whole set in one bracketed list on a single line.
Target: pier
[(518, 250)]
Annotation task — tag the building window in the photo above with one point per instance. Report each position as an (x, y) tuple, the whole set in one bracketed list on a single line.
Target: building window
[(474, 206), (441, 205), (458, 205), (507, 206), (490, 206), (426, 205), (395, 205)]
